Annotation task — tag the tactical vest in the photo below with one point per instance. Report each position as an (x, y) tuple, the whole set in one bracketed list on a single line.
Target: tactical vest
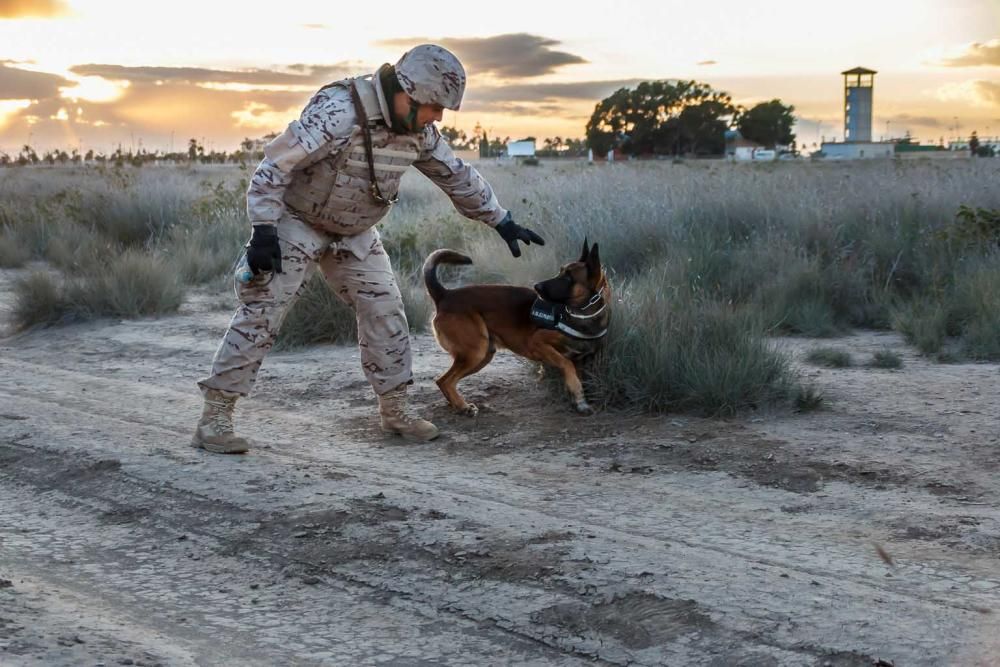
[(333, 194)]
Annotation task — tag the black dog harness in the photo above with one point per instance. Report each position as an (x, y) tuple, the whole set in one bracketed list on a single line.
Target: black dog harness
[(562, 318)]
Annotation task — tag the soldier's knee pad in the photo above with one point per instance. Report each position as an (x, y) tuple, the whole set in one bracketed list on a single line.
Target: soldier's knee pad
[(381, 316)]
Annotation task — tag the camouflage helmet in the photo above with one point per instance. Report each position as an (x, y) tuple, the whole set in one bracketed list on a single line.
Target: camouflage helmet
[(431, 74)]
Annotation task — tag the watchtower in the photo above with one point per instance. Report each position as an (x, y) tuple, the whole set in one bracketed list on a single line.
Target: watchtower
[(859, 87)]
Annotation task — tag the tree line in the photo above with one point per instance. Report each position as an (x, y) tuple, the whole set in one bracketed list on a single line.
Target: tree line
[(250, 151), (683, 118), (656, 118)]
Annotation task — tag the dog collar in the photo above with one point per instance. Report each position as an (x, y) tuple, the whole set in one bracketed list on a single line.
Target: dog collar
[(578, 314)]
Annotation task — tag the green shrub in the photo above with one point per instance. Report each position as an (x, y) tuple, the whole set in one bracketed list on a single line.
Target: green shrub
[(886, 359), (133, 284), (807, 398), (203, 251), (975, 308), (829, 357), (38, 300), (923, 323), (668, 350), (13, 253), (966, 309), (977, 226)]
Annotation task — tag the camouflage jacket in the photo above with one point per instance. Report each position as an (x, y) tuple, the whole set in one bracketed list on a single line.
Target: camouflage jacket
[(317, 168)]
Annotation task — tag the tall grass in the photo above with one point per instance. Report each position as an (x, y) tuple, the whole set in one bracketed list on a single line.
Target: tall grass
[(674, 350), (130, 285), (76, 218), (709, 258)]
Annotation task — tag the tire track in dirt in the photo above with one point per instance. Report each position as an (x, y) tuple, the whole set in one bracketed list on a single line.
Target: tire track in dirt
[(358, 461), (98, 485), (235, 610), (416, 489)]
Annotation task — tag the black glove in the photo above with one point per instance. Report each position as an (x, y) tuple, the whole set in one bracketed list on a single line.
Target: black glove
[(263, 251), (512, 233)]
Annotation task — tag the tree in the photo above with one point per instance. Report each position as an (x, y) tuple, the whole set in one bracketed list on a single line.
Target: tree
[(661, 117), (702, 128), (768, 124), (457, 139), (195, 150), (27, 156), (576, 147)]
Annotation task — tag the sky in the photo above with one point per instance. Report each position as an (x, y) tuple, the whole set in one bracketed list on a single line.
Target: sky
[(96, 74)]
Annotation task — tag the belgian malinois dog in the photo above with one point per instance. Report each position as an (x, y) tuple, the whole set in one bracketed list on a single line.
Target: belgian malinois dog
[(560, 322)]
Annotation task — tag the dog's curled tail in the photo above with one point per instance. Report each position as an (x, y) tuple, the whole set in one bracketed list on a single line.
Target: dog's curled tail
[(442, 256)]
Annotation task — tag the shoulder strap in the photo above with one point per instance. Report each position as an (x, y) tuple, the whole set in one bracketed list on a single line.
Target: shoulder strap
[(373, 188)]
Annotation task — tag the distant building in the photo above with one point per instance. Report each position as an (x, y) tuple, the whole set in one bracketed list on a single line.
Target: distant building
[(522, 148), (984, 142), (859, 87), (857, 150), (739, 149), (859, 94), (907, 145)]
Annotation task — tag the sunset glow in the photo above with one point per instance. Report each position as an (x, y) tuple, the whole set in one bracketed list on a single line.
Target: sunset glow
[(93, 89), (9, 108), (229, 71)]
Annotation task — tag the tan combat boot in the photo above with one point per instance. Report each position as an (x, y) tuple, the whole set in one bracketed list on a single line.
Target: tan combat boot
[(215, 430), (392, 410)]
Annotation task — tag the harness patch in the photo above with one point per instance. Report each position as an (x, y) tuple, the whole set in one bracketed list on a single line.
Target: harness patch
[(549, 315)]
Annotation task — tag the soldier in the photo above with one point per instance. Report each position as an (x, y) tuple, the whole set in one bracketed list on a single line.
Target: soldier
[(314, 200)]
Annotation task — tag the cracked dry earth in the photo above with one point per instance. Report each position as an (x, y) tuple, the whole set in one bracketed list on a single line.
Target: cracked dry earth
[(866, 532)]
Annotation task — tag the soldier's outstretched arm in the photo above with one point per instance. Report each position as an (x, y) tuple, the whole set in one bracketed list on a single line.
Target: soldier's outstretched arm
[(469, 192), (323, 129)]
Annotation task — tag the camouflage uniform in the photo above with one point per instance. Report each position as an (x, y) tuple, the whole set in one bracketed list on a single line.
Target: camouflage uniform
[(313, 184)]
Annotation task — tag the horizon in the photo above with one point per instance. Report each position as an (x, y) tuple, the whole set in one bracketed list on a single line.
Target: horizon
[(219, 75)]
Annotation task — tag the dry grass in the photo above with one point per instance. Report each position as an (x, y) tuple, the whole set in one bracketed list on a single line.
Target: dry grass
[(711, 256)]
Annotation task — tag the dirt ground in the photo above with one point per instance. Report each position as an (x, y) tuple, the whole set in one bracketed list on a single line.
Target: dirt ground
[(867, 533)]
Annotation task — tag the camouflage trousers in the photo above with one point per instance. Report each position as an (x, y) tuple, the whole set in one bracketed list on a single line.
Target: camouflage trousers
[(359, 272)]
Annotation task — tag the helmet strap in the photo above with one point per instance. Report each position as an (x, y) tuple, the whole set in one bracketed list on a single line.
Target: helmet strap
[(410, 122), (390, 86)]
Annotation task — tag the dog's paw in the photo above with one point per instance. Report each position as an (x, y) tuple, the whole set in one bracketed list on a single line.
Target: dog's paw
[(583, 407), (470, 410)]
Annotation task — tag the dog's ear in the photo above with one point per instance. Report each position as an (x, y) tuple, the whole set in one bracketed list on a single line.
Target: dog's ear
[(594, 261), (586, 250)]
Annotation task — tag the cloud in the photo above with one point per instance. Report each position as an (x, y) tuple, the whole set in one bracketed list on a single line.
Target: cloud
[(988, 91), (156, 112), (707, 62), (541, 99), (24, 84), (544, 109), (905, 119), (300, 74), (20, 9), (516, 55), (977, 54), (979, 93), (536, 92)]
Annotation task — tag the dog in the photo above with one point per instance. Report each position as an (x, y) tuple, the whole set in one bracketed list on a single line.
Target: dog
[(560, 322)]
